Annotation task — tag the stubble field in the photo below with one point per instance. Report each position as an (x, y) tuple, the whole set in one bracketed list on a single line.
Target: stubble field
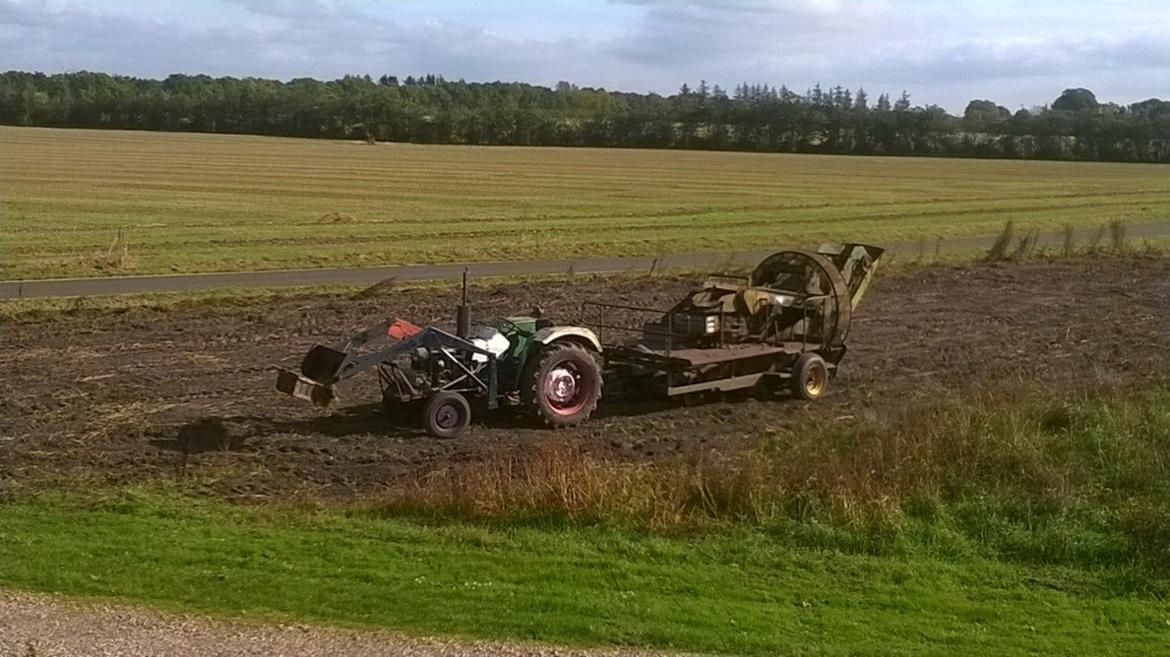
[(93, 203)]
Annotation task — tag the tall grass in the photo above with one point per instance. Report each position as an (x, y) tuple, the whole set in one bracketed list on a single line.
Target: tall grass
[(999, 248), (1028, 245), (1117, 235), (1103, 462)]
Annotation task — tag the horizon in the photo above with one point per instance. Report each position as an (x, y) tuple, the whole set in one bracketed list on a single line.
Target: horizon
[(730, 91), (1016, 54)]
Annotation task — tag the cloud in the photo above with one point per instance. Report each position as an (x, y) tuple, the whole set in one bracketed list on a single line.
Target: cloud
[(995, 59), (282, 39), (707, 30), (942, 51)]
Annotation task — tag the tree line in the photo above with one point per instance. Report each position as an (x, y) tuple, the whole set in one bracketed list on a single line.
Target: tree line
[(430, 109)]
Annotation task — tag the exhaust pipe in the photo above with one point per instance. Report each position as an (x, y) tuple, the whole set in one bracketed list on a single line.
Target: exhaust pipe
[(463, 313)]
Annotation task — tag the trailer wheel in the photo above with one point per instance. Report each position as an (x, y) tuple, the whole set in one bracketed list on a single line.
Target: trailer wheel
[(446, 415), (810, 377), (563, 384)]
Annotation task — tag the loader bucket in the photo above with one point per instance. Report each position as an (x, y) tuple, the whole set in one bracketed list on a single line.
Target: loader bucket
[(302, 387), (323, 363)]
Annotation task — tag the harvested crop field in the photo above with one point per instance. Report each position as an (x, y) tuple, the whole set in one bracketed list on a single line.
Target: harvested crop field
[(99, 397), (99, 203)]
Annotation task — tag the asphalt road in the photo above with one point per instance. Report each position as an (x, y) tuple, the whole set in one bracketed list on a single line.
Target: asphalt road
[(75, 287)]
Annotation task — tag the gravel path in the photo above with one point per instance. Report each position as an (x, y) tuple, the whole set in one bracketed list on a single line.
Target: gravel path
[(34, 625)]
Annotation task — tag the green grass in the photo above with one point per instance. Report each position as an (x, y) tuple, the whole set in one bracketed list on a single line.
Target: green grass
[(731, 590), (191, 203), (1027, 527)]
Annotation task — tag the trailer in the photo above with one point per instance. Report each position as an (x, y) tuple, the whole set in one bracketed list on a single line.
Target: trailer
[(784, 325)]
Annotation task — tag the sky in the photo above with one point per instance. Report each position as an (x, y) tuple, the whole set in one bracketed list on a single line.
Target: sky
[(1016, 53)]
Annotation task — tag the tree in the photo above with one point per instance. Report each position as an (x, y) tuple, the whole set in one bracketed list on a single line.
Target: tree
[(1075, 100), (984, 116), (903, 102), (434, 110)]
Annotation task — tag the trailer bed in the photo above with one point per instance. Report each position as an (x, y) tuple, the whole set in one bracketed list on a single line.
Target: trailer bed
[(677, 359)]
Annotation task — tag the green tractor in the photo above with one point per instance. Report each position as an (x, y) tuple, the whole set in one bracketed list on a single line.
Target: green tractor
[(553, 372)]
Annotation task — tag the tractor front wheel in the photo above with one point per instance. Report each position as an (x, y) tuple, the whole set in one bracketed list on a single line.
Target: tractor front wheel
[(446, 415), (563, 384), (810, 377)]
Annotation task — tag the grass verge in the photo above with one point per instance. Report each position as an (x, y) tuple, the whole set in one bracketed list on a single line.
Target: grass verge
[(990, 527), (1080, 479), (732, 590)]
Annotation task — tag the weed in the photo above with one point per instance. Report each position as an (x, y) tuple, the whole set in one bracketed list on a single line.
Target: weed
[(116, 258), (1117, 235), (1025, 247), (999, 249)]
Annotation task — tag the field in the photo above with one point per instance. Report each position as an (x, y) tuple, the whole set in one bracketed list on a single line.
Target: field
[(92, 203), (155, 390), (988, 476)]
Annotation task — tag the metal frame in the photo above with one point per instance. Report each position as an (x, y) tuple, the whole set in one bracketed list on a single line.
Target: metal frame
[(668, 364), (440, 343)]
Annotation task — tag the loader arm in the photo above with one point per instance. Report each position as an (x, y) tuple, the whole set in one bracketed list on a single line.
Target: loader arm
[(324, 366)]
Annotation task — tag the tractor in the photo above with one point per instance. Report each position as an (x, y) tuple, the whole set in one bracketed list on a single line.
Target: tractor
[(782, 326)]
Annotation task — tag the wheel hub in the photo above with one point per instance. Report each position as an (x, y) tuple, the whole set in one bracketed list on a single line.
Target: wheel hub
[(560, 386), (447, 416), (814, 380)]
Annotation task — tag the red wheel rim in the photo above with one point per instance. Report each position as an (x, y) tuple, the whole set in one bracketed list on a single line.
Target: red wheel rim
[(566, 388)]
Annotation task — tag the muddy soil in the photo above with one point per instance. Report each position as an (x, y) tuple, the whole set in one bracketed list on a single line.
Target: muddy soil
[(94, 398)]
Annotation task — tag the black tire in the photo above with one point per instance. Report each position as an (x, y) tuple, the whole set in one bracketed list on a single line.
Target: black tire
[(810, 377), (446, 415), (562, 384)]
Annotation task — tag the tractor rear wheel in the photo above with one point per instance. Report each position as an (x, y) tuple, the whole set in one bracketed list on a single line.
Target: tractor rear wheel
[(810, 377), (562, 384), (446, 415)]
